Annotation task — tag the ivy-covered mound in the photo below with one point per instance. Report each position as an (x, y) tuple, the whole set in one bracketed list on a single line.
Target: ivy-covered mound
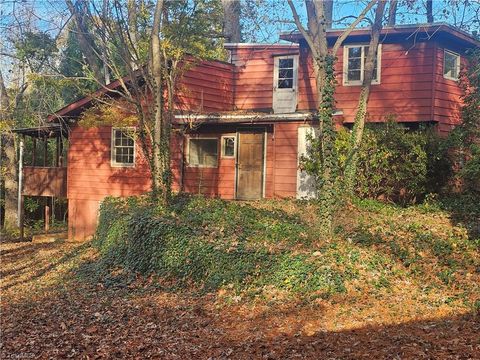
[(213, 243), (272, 249)]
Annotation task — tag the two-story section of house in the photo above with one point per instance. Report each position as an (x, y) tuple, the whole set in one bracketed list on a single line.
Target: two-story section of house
[(251, 116)]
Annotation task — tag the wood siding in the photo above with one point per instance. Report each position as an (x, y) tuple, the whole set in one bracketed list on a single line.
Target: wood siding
[(405, 89), (90, 177), (206, 87), (447, 93), (254, 75), (44, 181)]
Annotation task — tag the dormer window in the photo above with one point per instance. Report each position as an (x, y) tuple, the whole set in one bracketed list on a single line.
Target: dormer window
[(451, 65), (354, 57)]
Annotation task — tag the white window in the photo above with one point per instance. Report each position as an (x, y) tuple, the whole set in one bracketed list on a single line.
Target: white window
[(202, 152), (123, 147), (451, 65), (285, 79), (228, 146), (354, 57)]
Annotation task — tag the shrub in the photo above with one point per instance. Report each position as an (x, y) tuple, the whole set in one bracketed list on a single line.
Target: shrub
[(394, 163)]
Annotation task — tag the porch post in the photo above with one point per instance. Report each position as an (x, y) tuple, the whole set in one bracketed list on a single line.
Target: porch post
[(20, 186)]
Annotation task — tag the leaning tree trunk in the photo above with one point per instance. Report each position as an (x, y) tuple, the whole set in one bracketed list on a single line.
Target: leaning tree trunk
[(359, 124)]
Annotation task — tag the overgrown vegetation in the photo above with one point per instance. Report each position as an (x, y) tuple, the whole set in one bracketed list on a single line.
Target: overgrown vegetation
[(396, 164), (272, 250)]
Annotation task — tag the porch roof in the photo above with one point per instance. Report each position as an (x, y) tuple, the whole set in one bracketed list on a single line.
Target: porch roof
[(45, 131)]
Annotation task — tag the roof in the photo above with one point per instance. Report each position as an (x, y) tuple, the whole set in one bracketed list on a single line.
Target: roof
[(422, 31)]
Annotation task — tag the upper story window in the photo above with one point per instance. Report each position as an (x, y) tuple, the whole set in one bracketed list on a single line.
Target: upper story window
[(285, 73), (202, 152), (451, 65), (228, 146), (354, 57), (123, 147)]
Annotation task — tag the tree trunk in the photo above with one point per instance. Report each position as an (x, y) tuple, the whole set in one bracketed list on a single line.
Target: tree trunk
[(156, 69), (8, 167), (231, 20), (85, 41), (392, 13), (329, 13), (430, 11), (359, 124)]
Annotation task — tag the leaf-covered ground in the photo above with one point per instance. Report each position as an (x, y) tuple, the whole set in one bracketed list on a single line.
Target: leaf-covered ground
[(415, 295)]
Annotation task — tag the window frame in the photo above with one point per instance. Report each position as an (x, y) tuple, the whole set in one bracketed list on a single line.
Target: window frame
[(222, 146), (459, 58), (276, 68), (113, 162), (188, 151), (345, 80)]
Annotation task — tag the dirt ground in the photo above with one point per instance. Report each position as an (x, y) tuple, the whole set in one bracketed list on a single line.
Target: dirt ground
[(48, 313)]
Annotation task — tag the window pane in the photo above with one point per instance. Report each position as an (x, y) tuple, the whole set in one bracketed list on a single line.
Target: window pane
[(285, 83), (228, 146), (285, 63), (355, 52), (451, 65), (203, 152), (354, 75), (285, 73), (354, 64)]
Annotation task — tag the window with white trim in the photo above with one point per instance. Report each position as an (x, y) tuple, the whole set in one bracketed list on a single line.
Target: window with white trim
[(451, 65), (203, 152), (123, 147), (354, 57), (228, 146)]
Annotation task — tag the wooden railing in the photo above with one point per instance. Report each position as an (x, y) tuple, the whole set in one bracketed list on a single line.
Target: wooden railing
[(45, 181)]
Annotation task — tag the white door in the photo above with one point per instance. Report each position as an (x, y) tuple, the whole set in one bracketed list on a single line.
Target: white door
[(305, 182), (285, 80)]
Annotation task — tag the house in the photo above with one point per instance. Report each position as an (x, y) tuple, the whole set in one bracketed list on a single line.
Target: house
[(252, 115)]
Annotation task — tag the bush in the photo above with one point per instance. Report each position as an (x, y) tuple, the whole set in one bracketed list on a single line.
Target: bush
[(394, 162), (211, 243)]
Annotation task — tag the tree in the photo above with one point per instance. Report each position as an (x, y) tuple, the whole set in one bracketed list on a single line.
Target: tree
[(361, 114), (148, 50), (430, 11), (231, 20), (315, 35)]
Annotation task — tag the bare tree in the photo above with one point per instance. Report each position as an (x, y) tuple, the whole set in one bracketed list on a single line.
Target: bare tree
[(315, 34)]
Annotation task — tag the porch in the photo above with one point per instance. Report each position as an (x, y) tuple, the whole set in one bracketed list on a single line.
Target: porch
[(42, 169)]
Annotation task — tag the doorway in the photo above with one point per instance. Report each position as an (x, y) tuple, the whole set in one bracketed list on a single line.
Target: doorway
[(250, 164)]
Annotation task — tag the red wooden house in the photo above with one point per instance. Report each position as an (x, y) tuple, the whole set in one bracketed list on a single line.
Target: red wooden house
[(253, 114)]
